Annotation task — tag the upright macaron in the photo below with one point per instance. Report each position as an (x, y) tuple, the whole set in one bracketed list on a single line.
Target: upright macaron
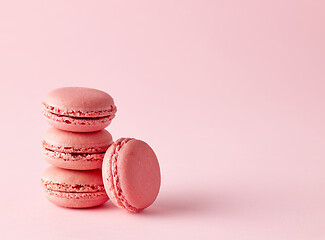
[(131, 174), (79, 109), (74, 189), (76, 151)]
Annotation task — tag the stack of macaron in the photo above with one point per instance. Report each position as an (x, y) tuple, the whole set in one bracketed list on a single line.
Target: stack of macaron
[(88, 168)]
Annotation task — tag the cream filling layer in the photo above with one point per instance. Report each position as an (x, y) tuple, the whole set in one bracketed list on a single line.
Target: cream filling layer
[(75, 113), (73, 191), (76, 120)]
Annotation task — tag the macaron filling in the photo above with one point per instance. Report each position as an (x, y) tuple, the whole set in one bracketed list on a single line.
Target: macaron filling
[(78, 191), (77, 120), (74, 156), (118, 193), (74, 153), (80, 114), (68, 149)]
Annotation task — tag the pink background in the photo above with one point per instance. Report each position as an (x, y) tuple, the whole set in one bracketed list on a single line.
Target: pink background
[(230, 95)]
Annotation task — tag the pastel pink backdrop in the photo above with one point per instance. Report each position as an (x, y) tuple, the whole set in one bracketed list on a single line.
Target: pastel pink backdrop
[(230, 95)]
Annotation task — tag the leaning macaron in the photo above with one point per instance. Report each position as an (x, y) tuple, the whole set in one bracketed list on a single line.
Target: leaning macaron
[(79, 109), (74, 189), (131, 174), (76, 151)]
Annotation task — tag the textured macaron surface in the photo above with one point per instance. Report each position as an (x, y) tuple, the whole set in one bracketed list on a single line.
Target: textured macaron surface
[(131, 174), (79, 102)]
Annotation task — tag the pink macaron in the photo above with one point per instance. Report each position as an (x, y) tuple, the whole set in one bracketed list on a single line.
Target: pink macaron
[(79, 109), (74, 189), (131, 174), (76, 151)]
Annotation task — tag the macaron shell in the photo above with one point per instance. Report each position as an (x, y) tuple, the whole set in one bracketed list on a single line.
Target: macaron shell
[(76, 151), (74, 189), (79, 99), (135, 182), (58, 137), (78, 109)]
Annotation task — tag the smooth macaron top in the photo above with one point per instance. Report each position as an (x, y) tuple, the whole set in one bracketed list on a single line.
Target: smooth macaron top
[(131, 174), (71, 177), (79, 102), (56, 137)]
